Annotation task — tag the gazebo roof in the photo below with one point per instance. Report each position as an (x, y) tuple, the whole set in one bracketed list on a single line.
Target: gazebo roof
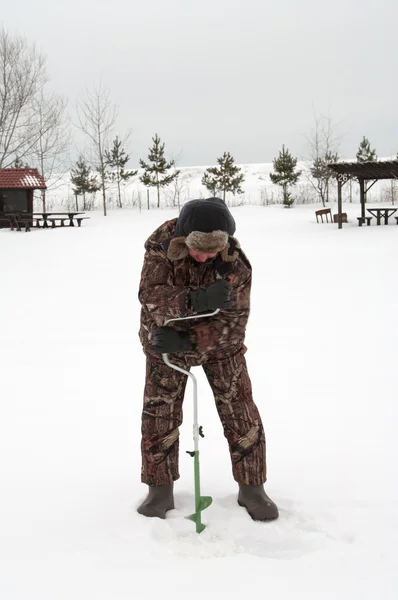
[(26, 179), (383, 169)]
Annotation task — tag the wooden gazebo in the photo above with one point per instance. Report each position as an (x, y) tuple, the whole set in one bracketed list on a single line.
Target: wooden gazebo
[(16, 189), (365, 173)]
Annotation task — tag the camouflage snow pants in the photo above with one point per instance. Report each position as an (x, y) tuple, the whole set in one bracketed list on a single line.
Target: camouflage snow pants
[(162, 416)]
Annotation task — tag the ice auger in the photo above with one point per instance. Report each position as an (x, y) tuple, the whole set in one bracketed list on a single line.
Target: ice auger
[(201, 502)]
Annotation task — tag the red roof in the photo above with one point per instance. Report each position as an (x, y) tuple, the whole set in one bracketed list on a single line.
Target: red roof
[(27, 179)]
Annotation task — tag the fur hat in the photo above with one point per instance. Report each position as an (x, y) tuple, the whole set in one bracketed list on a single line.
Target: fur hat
[(203, 225)]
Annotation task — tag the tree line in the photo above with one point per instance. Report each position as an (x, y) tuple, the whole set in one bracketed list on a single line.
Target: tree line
[(35, 131)]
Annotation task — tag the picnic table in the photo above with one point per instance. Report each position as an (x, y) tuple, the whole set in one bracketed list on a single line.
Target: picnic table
[(61, 216), (28, 219), (386, 213)]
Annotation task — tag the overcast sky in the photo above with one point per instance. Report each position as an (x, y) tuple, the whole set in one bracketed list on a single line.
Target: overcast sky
[(214, 75)]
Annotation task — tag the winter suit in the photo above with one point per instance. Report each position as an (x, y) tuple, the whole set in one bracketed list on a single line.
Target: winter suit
[(168, 276)]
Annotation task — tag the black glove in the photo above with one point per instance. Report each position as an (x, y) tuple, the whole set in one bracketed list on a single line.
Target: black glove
[(217, 295), (167, 339)]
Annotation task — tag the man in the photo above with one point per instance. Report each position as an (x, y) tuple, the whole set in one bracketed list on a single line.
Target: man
[(193, 265)]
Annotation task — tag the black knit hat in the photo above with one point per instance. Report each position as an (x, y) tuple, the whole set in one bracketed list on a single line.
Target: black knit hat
[(203, 225)]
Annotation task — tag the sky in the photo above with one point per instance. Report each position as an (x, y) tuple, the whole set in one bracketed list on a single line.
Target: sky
[(225, 75)]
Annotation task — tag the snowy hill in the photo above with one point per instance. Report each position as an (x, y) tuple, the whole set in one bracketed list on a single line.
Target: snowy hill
[(258, 189)]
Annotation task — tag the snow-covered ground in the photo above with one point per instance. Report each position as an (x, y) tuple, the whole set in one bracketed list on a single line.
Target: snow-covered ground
[(323, 350)]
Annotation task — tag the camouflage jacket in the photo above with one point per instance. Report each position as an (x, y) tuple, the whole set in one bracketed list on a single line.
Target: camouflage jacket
[(164, 293)]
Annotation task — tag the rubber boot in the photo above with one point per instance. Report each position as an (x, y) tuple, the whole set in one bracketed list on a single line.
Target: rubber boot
[(160, 499), (259, 506)]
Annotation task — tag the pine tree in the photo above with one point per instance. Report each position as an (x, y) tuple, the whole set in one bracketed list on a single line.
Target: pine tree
[(227, 177), (117, 159), (322, 174), (285, 174), (83, 181), (157, 167), (365, 152)]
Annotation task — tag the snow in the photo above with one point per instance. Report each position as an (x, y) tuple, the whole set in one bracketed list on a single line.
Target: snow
[(322, 357), (31, 181)]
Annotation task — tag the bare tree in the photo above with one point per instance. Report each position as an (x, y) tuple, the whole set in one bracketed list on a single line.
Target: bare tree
[(390, 191), (50, 150), (323, 144), (97, 116), (266, 197), (22, 77)]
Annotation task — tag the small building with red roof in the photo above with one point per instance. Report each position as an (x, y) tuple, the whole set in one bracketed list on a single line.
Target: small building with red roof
[(16, 189)]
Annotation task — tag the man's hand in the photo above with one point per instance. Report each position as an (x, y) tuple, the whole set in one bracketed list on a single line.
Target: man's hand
[(217, 295), (167, 339)]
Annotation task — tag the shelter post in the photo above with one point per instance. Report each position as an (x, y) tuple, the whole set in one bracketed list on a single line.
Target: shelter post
[(339, 203), (362, 197)]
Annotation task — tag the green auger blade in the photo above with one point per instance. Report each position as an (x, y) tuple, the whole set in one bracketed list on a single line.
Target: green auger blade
[(204, 502), (199, 525), (201, 502)]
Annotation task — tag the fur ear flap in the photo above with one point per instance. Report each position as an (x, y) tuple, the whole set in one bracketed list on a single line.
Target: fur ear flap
[(230, 252), (177, 249)]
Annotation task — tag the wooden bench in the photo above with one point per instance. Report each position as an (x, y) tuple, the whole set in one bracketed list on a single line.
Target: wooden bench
[(343, 218), (38, 221), (18, 222), (323, 211), (80, 219), (60, 219), (6, 220), (26, 222), (361, 221)]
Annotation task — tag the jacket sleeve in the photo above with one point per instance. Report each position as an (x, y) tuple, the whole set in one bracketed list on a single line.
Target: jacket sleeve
[(157, 294), (228, 327)]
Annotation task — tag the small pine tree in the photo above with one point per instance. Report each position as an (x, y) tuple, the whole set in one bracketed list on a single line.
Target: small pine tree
[(322, 174), (227, 177), (117, 159), (83, 181), (157, 167), (285, 174), (288, 199), (365, 152)]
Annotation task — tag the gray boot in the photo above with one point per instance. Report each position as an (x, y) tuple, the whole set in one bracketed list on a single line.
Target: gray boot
[(259, 506), (160, 499)]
